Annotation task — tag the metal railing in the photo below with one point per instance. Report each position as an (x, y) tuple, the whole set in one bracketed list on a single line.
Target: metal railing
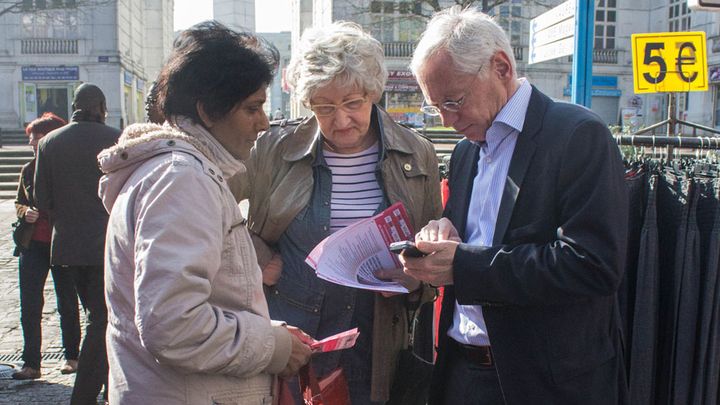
[(36, 46), (399, 49)]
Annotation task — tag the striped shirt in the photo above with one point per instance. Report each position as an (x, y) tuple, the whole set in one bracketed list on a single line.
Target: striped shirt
[(356, 193), (493, 164)]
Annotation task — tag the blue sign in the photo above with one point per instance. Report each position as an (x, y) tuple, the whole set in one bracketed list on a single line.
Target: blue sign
[(600, 81), (597, 92), (67, 73), (140, 84), (128, 78), (103, 59)]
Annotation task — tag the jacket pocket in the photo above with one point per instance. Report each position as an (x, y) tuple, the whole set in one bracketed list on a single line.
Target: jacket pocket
[(565, 368), (296, 304)]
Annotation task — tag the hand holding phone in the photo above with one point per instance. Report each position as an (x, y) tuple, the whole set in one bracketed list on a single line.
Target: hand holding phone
[(407, 248)]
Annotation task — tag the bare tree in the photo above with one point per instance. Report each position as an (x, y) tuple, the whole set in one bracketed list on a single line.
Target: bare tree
[(33, 6)]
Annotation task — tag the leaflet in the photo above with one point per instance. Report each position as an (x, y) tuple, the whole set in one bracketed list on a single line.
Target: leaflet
[(352, 255), (343, 340)]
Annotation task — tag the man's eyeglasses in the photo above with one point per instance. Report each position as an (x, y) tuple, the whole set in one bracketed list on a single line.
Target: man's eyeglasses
[(450, 105), (324, 110)]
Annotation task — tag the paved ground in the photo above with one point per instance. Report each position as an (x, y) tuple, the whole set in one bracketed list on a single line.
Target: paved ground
[(53, 388)]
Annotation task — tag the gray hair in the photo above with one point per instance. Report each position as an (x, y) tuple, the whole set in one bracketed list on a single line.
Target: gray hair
[(469, 36), (340, 52)]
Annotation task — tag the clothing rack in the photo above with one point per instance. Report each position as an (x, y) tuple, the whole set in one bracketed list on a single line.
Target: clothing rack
[(694, 142)]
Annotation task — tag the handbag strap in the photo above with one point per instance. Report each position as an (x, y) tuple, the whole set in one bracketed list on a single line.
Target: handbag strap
[(309, 380)]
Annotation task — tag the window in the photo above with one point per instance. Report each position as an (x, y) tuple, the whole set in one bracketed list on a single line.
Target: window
[(388, 7), (376, 7), (58, 24), (679, 16), (605, 19)]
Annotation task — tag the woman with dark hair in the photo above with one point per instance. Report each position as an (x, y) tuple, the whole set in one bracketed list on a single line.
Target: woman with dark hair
[(187, 318), (34, 262)]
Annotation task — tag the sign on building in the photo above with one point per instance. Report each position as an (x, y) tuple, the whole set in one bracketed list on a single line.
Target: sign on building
[(708, 5), (64, 73), (552, 33), (669, 62)]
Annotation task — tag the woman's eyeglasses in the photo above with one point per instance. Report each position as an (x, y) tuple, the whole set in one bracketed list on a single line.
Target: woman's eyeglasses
[(324, 110)]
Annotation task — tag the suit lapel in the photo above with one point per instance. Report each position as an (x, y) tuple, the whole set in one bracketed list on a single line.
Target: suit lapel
[(468, 165), (524, 151)]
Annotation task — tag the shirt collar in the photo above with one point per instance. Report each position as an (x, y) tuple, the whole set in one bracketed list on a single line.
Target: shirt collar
[(511, 117)]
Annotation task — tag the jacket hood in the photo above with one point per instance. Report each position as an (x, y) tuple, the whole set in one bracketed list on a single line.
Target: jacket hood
[(139, 143)]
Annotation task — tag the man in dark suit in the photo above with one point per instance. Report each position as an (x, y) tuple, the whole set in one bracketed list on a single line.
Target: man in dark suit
[(532, 243), (66, 186)]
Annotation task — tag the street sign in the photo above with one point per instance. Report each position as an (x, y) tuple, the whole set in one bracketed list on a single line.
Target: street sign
[(551, 33), (669, 62), (707, 5)]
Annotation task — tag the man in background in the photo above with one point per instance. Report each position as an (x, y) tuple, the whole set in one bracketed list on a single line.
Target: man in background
[(66, 186)]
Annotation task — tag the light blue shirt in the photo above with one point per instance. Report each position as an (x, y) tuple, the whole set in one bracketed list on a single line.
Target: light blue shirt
[(493, 163)]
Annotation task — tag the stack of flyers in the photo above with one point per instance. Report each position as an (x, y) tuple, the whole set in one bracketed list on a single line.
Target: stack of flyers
[(343, 340)]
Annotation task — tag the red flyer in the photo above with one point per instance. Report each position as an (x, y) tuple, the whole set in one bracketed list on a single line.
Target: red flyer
[(343, 340)]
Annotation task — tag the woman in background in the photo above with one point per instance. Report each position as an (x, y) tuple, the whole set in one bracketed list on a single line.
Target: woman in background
[(34, 263)]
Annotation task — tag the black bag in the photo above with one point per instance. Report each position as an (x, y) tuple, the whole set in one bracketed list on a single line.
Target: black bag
[(22, 234), (411, 384)]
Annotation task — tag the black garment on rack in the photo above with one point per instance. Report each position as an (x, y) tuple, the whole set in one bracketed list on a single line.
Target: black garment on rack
[(644, 349)]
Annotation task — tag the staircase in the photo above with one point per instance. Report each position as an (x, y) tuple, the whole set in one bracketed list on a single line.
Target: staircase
[(14, 153)]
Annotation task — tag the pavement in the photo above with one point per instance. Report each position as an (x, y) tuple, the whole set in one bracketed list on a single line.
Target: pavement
[(52, 388)]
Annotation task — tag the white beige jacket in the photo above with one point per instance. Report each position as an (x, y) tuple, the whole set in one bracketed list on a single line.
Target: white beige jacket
[(187, 319)]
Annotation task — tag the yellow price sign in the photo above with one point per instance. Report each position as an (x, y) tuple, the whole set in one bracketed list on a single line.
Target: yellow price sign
[(669, 62)]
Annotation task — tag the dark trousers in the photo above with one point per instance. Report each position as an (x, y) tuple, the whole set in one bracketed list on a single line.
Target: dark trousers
[(92, 370), (469, 384), (34, 264)]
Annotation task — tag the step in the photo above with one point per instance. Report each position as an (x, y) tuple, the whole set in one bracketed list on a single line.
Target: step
[(14, 160), (11, 169), (7, 195), (8, 186)]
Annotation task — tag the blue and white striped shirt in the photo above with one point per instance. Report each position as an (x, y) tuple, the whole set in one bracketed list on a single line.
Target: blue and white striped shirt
[(493, 163)]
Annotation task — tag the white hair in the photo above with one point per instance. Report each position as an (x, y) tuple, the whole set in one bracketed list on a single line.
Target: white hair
[(469, 36), (340, 52)]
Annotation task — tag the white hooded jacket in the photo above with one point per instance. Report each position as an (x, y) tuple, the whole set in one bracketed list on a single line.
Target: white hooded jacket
[(187, 319)]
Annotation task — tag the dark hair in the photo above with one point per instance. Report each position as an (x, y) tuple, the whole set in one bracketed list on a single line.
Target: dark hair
[(215, 66), (46, 123)]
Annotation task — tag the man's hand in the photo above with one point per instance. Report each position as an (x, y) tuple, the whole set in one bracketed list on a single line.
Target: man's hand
[(31, 216), (272, 270), (438, 230), (439, 239), (398, 276), (300, 354)]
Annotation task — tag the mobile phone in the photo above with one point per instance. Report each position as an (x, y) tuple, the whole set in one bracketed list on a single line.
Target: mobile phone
[(407, 248)]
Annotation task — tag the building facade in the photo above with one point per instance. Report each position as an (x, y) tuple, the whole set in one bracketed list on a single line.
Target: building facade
[(46, 52), (278, 104), (236, 14), (613, 98)]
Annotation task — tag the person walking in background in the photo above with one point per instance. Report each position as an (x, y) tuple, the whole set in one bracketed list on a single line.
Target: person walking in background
[(34, 263), (306, 180), (532, 243), (188, 319), (278, 114), (66, 187)]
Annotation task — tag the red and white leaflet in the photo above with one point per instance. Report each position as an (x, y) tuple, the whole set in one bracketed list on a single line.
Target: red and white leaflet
[(343, 340), (352, 255)]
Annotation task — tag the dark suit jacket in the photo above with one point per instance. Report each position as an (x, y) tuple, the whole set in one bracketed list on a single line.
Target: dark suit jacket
[(548, 284), (66, 186)]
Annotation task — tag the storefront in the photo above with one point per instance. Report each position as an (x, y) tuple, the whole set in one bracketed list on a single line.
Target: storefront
[(714, 74), (403, 98), (47, 89)]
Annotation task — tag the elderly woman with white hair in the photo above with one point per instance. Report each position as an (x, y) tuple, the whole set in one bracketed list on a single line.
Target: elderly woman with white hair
[(310, 178)]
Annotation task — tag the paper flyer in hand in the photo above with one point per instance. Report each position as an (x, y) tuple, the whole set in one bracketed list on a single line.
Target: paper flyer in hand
[(343, 340), (352, 255)]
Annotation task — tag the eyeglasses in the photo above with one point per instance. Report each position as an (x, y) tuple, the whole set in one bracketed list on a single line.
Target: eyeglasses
[(450, 105), (324, 110)]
